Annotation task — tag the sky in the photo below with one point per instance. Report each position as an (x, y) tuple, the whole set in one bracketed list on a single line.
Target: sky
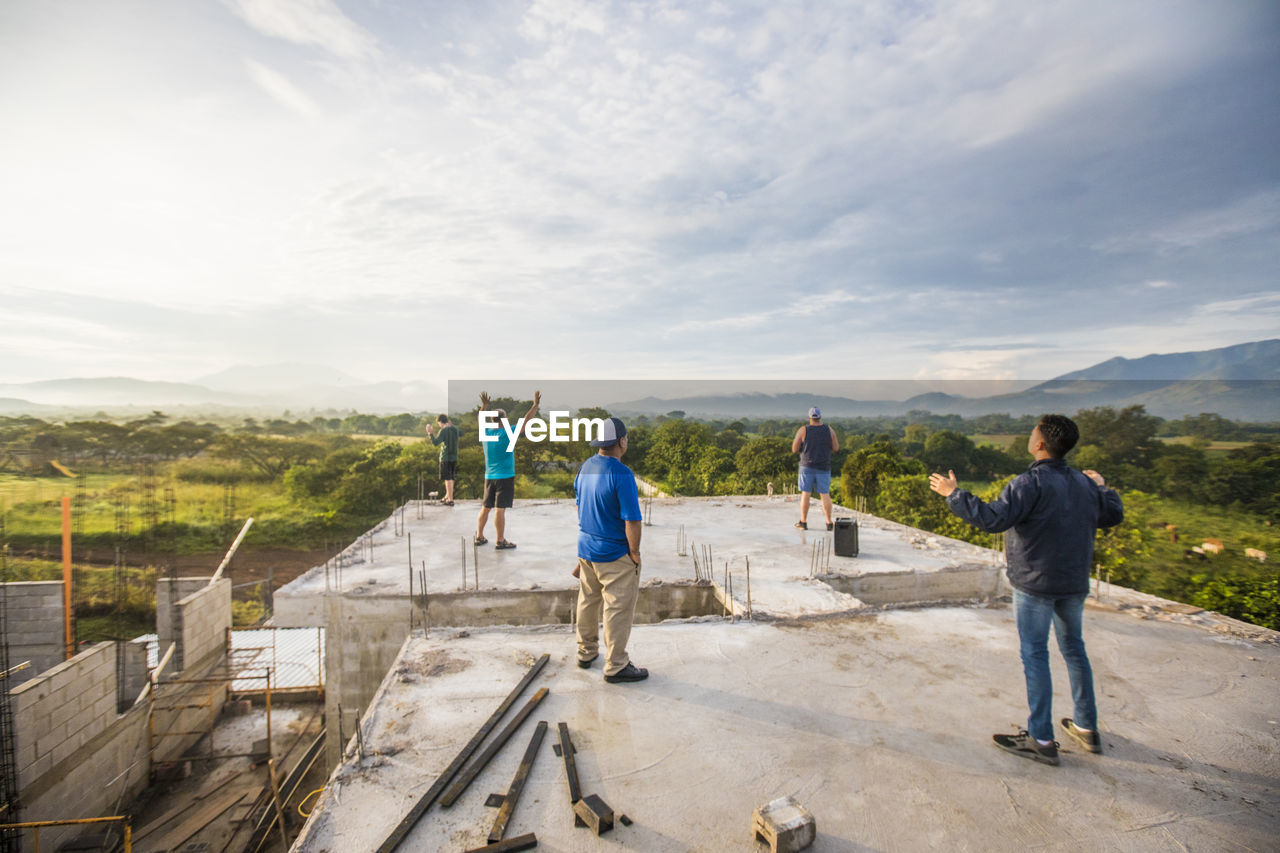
[(886, 189)]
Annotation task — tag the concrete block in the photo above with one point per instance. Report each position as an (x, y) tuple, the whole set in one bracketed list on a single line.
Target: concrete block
[(785, 825), (35, 771), (63, 751)]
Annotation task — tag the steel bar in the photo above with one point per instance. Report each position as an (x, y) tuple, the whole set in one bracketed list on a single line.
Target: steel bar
[(469, 775), (517, 784), (750, 612), (437, 787), (570, 764)]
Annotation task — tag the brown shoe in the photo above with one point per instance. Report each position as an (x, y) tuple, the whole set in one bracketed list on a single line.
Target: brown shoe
[(1091, 741)]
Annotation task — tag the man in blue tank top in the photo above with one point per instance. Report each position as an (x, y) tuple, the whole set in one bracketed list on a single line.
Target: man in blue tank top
[(815, 442), (608, 569)]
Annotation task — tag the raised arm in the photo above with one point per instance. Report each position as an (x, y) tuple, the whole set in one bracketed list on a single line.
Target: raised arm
[(996, 517), (1111, 509)]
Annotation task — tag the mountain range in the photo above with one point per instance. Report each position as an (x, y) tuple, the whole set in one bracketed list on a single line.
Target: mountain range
[(1240, 382)]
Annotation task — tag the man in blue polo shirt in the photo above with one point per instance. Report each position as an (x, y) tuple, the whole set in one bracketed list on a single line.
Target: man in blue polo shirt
[(608, 568)]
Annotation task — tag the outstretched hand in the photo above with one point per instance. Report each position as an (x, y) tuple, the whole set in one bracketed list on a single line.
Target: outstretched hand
[(537, 398), (484, 401), (944, 485)]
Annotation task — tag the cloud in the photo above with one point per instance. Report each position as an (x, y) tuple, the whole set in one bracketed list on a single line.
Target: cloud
[(281, 88), (747, 188), (1255, 213), (319, 23)]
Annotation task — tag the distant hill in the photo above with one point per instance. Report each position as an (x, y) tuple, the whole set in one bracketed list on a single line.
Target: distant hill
[(266, 378), (1259, 360), (1239, 382), (270, 389)]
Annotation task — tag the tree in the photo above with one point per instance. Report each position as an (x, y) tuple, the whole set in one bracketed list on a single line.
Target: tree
[(1126, 436), (675, 450), (1181, 471), (271, 456), (762, 461), (865, 468), (947, 450)]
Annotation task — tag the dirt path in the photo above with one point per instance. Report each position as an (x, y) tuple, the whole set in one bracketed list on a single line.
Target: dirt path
[(280, 564)]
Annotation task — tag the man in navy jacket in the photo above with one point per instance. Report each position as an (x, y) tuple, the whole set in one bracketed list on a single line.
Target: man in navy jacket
[(1052, 513)]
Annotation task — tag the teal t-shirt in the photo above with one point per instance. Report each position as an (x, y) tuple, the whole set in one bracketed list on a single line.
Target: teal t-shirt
[(499, 456)]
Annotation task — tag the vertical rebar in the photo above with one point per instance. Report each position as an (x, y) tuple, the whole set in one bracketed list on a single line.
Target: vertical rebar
[(750, 613), (475, 563), (423, 586), (733, 610), (464, 563), (724, 590)]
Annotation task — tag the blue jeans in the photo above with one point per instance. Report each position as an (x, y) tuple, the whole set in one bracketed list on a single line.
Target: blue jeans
[(1034, 613)]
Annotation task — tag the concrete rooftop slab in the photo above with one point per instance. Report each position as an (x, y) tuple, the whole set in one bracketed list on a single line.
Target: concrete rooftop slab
[(879, 724), (733, 528)]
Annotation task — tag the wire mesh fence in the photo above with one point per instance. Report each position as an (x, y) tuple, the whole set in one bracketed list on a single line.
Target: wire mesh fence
[(294, 656)]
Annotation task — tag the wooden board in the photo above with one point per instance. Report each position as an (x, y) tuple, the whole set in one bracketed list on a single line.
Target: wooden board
[(198, 820)]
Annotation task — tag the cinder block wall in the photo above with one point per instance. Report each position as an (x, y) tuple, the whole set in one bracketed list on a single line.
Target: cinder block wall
[(77, 757), (34, 616), (62, 710), (362, 639), (168, 594), (203, 618)]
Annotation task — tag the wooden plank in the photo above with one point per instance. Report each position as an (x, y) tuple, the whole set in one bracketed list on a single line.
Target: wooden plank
[(199, 819), (517, 784), (511, 845), (437, 787), (469, 775), (570, 764)]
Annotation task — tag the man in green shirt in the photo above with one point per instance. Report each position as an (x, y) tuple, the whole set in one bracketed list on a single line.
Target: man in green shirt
[(448, 441)]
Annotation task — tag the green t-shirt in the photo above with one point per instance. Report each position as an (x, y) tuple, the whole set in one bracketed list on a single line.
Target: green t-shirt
[(447, 438)]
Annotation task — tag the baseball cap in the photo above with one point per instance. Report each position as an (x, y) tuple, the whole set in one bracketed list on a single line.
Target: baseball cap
[(815, 412), (613, 430)]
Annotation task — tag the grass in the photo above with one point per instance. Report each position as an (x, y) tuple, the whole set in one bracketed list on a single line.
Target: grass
[(33, 518)]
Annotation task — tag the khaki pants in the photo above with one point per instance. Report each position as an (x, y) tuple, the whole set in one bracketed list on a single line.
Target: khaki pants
[(616, 586)]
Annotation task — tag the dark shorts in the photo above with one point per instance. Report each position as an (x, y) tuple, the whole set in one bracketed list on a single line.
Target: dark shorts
[(498, 493), (449, 470)]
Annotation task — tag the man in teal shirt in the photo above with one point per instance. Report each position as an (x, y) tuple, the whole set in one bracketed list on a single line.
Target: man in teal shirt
[(448, 442), (500, 473)]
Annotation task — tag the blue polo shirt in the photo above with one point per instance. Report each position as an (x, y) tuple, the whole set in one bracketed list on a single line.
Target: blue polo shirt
[(499, 456), (607, 498)]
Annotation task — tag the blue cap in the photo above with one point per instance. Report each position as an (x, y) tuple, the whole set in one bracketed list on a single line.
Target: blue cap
[(815, 412)]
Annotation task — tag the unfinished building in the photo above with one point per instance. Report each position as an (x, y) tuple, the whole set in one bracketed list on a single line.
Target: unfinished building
[(865, 687)]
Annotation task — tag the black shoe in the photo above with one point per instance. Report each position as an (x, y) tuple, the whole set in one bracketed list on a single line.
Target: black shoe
[(830, 526), (1028, 747), (630, 672), (1091, 741), (586, 664), (801, 525)]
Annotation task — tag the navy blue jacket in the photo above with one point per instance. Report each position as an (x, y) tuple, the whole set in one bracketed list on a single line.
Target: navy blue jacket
[(1052, 512)]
